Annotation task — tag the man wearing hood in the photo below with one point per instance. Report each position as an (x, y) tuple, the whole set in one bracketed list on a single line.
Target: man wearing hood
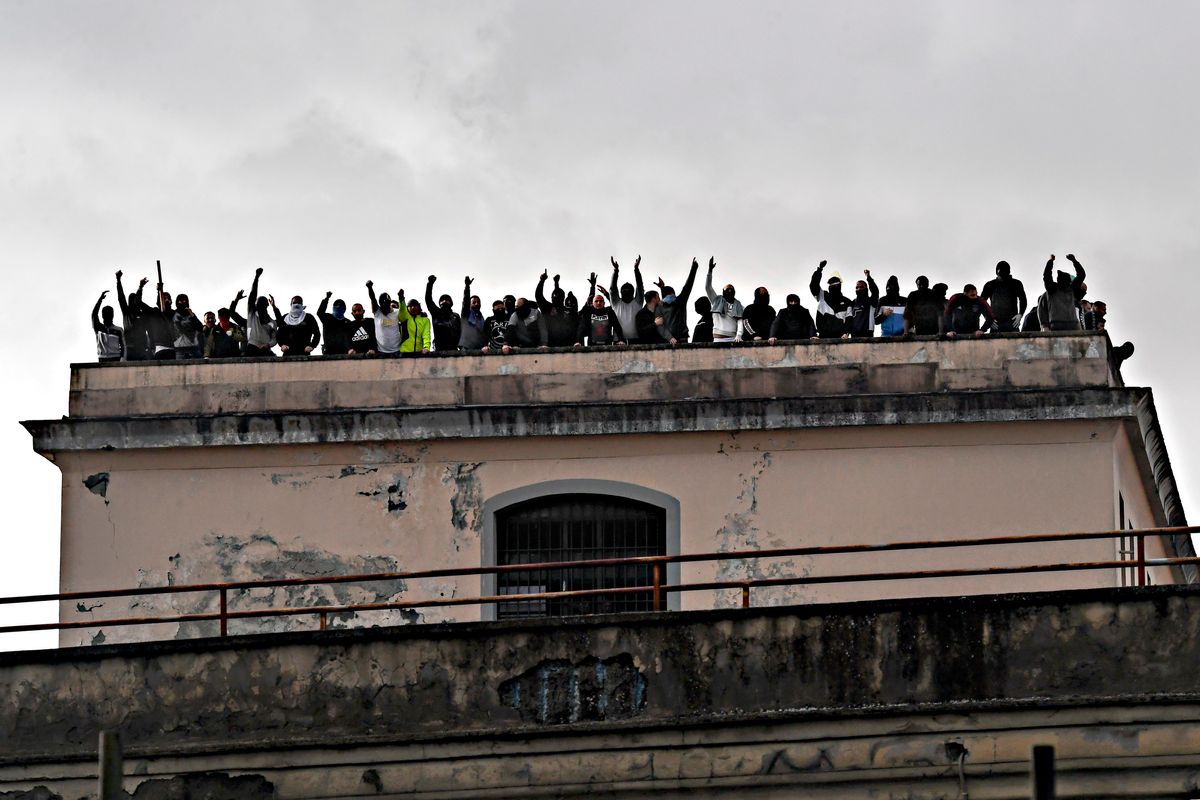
[(727, 311), (833, 307), (890, 316), (1062, 297), (861, 322), (561, 322), (674, 306), (417, 329), (473, 333), (496, 329), (963, 312), (923, 311), (336, 327), (526, 326), (599, 325), (629, 301), (187, 328), (703, 332), (1006, 297), (756, 326), (793, 322), (447, 325), (299, 334)]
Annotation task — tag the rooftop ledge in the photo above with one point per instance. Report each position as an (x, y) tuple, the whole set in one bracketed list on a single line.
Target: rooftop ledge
[(917, 365)]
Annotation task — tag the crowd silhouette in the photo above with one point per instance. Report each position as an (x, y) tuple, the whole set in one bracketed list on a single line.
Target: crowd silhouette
[(620, 315)]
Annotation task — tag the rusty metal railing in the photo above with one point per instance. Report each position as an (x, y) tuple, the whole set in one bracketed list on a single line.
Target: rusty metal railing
[(658, 587)]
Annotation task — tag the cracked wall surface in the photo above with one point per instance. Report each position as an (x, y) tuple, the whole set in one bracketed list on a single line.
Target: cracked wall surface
[(233, 514)]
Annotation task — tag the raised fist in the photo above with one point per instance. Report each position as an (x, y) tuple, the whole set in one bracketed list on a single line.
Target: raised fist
[(822, 265), (637, 262), (328, 295), (468, 280), (432, 279), (119, 274), (545, 274), (370, 284), (258, 272)]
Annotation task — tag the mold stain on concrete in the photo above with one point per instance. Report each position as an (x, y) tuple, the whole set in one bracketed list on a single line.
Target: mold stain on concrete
[(466, 501), (741, 533), (261, 555), (557, 691), (391, 493)]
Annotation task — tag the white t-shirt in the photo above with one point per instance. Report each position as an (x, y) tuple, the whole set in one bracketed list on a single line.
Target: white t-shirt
[(387, 331)]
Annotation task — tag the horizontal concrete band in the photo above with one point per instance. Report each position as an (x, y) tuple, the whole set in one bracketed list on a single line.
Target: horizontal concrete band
[(786, 370), (642, 673), (581, 419)]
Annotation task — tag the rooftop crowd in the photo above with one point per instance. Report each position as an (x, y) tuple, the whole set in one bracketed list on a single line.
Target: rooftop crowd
[(622, 314)]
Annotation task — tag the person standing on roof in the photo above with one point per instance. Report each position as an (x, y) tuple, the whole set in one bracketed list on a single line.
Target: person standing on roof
[(756, 326), (299, 334), (890, 316), (792, 323), (627, 304), (137, 338), (416, 326), (833, 307), (1005, 295), (727, 311), (447, 325), (861, 322), (561, 323), (110, 338), (963, 312), (1062, 297), (674, 306), (599, 325), (924, 312), (335, 327)]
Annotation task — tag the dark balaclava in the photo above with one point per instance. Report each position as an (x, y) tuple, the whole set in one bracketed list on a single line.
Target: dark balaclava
[(106, 315), (860, 290), (627, 292), (1064, 280), (922, 282), (523, 308), (761, 296), (385, 303), (556, 297), (793, 301), (1003, 270), (729, 293), (571, 303), (939, 291), (703, 306), (510, 304), (893, 288), (498, 310), (446, 302), (835, 287), (339, 309)]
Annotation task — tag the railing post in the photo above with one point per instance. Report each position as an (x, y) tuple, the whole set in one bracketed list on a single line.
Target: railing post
[(745, 596), (224, 612), (1141, 560), (111, 766), (324, 620), (658, 603)]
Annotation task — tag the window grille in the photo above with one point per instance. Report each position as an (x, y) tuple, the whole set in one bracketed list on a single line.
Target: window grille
[(577, 527)]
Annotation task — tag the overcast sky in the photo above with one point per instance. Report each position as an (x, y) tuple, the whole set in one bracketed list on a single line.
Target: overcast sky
[(334, 142)]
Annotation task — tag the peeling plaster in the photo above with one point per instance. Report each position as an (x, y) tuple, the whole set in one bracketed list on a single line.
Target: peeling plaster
[(98, 485)]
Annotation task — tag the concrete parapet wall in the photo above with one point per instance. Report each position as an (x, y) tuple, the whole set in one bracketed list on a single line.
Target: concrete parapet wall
[(886, 366), (760, 699)]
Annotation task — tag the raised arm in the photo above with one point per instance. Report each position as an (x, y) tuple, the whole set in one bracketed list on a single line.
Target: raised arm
[(538, 295), (1080, 276), (814, 285), (466, 303), (591, 290), (371, 294), (121, 296), (233, 312), (254, 291), (96, 326), (682, 296), (708, 287), (1047, 278), (616, 269), (872, 288), (324, 307), (640, 296), (430, 307)]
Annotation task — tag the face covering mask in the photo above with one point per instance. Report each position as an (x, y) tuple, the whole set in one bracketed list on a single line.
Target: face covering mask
[(627, 293), (339, 313), (523, 312), (669, 299), (728, 294)]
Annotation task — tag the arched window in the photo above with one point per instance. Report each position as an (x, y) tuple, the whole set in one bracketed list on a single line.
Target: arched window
[(577, 527)]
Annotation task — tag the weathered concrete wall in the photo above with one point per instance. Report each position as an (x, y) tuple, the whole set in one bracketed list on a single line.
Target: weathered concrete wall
[(194, 515), (884, 366), (866, 700)]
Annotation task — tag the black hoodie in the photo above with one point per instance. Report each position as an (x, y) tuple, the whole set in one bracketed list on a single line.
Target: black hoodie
[(793, 322), (758, 316), (703, 332)]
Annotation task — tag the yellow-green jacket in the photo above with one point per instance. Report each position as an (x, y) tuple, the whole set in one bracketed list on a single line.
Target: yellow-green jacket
[(417, 330)]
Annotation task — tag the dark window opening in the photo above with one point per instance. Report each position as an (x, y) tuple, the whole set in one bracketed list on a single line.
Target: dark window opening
[(577, 527)]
